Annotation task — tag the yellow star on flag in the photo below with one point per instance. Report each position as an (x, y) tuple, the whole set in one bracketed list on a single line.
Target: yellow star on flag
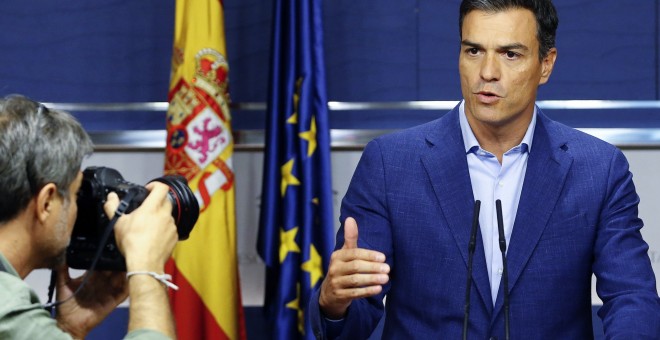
[(295, 304), (288, 242), (293, 119), (287, 176), (313, 266), (310, 136)]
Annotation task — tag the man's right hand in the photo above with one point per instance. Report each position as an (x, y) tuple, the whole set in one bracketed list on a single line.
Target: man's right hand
[(146, 236), (353, 273)]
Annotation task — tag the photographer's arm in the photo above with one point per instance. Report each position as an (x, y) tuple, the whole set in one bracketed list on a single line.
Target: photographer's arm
[(147, 237)]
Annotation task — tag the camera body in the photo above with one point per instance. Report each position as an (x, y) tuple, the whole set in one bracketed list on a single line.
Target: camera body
[(92, 222)]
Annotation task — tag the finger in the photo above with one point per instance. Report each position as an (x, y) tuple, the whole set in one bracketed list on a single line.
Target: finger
[(348, 255), (360, 280), (117, 283), (357, 293), (111, 204), (360, 267), (157, 194), (350, 233)]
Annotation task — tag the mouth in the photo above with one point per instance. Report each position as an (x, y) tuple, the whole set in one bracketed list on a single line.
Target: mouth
[(487, 97), (487, 94)]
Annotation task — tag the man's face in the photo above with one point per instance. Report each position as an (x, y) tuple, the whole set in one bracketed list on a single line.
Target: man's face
[(61, 231), (500, 68)]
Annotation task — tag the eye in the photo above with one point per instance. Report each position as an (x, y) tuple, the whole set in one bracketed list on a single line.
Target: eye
[(473, 51), (511, 55)]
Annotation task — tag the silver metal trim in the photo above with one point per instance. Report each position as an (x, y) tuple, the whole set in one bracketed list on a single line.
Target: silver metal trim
[(544, 104), (253, 140), (598, 104), (129, 140), (143, 106), (365, 106), (412, 105), (627, 138), (353, 139)]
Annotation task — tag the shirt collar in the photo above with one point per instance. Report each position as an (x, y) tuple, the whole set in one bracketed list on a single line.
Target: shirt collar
[(470, 141), (7, 267)]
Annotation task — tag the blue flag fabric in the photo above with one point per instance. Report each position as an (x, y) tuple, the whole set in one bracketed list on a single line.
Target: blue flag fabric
[(296, 222)]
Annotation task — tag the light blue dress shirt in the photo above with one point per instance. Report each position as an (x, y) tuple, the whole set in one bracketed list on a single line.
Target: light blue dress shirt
[(492, 181)]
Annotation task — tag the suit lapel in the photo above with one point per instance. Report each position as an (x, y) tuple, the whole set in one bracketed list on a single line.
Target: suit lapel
[(446, 165), (547, 168)]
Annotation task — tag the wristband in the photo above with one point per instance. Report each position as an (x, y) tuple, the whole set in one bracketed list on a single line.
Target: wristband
[(163, 278)]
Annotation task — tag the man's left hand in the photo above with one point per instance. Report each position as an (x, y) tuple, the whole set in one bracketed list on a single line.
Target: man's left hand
[(97, 299)]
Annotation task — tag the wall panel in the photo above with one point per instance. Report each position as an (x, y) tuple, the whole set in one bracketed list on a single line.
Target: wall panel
[(439, 44), (98, 51), (606, 51), (248, 34), (370, 49)]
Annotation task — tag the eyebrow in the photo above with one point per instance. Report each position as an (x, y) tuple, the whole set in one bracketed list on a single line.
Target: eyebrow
[(514, 46)]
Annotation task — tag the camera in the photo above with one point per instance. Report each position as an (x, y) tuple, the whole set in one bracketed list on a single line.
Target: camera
[(92, 222)]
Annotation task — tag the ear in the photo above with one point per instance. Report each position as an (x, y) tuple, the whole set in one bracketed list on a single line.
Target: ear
[(46, 199), (547, 64)]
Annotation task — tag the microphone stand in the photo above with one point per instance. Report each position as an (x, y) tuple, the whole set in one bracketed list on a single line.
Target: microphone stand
[(471, 247), (505, 274)]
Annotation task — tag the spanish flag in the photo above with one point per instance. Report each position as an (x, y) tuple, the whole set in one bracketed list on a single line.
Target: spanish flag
[(200, 147)]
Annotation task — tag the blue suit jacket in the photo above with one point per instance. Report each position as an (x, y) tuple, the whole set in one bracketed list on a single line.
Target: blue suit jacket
[(411, 196)]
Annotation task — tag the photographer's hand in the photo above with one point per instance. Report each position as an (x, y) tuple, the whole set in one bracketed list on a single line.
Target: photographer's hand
[(100, 296), (146, 238)]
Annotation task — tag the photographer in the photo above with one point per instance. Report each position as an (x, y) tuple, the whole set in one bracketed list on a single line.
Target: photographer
[(41, 153)]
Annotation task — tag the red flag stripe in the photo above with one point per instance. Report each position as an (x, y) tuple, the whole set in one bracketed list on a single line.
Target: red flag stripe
[(193, 319)]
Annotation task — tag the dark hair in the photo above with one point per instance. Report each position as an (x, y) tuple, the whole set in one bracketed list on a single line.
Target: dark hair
[(37, 146), (544, 11)]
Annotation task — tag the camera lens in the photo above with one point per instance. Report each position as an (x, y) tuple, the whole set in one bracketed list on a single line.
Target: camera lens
[(185, 208)]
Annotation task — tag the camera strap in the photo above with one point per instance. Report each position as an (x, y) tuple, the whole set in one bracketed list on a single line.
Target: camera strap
[(121, 209)]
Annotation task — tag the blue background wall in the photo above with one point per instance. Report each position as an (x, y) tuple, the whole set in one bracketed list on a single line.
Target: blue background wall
[(376, 51)]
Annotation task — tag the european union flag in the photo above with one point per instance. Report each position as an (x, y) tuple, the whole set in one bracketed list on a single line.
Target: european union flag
[(296, 222)]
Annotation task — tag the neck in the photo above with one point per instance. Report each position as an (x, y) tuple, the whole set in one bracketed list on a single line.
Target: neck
[(499, 138)]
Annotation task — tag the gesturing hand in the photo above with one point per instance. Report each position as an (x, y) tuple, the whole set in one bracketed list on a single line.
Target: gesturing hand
[(353, 273)]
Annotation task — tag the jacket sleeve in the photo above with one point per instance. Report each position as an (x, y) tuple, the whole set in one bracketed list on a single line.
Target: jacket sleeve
[(625, 279), (21, 313), (366, 201)]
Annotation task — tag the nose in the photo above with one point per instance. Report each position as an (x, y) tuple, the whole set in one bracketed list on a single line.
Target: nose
[(490, 68)]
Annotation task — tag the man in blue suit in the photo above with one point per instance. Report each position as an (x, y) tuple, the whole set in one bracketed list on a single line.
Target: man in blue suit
[(568, 209)]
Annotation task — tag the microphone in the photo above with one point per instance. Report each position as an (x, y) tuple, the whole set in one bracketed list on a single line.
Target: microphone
[(471, 247), (505, 274)]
